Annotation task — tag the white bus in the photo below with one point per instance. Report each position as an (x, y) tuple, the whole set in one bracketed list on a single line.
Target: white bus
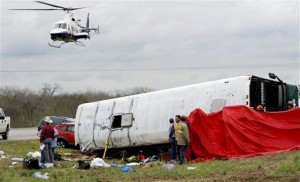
[(143, 119)]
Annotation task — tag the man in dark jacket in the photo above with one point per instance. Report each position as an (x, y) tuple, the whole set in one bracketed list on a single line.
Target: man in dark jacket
[(172, 139), (46, 137)]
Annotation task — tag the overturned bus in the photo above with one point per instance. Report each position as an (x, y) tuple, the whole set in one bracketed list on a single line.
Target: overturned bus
[(143, 120)]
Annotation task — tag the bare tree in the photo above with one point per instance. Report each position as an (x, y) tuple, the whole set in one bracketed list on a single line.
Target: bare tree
[(27, 107), (50, 90), (140, 90)]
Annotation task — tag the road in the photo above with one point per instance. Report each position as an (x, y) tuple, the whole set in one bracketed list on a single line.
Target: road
[(21, 134)]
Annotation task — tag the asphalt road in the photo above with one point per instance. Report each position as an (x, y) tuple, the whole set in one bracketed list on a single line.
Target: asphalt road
[(21, 134)]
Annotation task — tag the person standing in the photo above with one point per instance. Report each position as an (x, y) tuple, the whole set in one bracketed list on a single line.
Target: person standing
[(183, 118), (182, 137), (172, 140), (46, 137), (54, 141)]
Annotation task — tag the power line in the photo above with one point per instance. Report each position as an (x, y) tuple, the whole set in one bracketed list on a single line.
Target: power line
[(149, 69)]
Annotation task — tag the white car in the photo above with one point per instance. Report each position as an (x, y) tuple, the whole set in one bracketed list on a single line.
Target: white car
[(4, 125)]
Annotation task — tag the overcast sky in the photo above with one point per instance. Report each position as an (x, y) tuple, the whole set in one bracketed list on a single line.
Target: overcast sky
[(155, 44)]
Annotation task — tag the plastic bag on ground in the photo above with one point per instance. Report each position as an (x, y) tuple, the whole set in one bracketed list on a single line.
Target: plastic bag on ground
[(126, 169), (39, 175), (98, 162), (35, 154)]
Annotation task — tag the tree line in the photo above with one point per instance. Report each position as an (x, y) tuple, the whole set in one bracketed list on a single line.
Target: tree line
[(26, 107)]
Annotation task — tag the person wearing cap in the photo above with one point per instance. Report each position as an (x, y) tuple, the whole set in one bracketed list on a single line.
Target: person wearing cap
[(46, 138), (182, 137), (172, 140)]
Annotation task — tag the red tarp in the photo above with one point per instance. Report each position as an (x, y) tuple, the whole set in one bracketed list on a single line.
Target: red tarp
[(238, 131)]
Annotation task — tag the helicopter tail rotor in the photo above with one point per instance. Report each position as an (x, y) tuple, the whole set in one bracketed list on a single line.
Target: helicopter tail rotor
[(88, 21), (87, 27), (95, 29)]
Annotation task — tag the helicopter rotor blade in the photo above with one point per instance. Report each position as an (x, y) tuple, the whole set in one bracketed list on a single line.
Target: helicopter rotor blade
[(75, 8), (37, 9), (64, 8), (58, 7), (53, 5)]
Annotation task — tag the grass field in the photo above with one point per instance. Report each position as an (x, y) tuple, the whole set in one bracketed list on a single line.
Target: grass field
[(276, 167)]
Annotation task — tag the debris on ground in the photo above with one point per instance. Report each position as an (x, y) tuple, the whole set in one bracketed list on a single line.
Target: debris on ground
[(113, 165), (151, 159), (98, 162), (133, 164), (132, 159), (49, 165), (31, 163), (41, 176), (12, 164), (191, 168), (83, 164), (57, 156), (126, 169), (148, 165), (2, 156), (168, 167), (117, 165), (35, 154), (42, 165), (17, 159)]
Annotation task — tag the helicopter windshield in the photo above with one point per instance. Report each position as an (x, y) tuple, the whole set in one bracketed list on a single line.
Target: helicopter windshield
[(61, 25)]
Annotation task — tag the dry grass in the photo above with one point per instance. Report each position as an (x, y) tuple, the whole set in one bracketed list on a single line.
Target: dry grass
[(276, 167)]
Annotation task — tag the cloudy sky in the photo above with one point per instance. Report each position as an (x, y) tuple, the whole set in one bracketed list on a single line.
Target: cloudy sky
[(155, 44)]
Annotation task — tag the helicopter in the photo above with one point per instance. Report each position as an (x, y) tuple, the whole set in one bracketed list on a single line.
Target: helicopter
[(69, 29)]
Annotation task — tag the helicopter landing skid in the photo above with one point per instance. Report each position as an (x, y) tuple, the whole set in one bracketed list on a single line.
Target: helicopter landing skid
[(79, 43), (58, 46), (52, 45)]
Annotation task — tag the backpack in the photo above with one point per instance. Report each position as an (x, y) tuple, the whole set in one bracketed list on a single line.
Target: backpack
[(31, 163)]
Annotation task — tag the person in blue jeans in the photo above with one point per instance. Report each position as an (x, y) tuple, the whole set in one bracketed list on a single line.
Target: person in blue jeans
[(182, 137), (46, 137), (54, 141), (172, 140)]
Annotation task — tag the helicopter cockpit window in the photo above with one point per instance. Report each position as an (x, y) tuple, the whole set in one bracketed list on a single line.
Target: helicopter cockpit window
[(63, 26)]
